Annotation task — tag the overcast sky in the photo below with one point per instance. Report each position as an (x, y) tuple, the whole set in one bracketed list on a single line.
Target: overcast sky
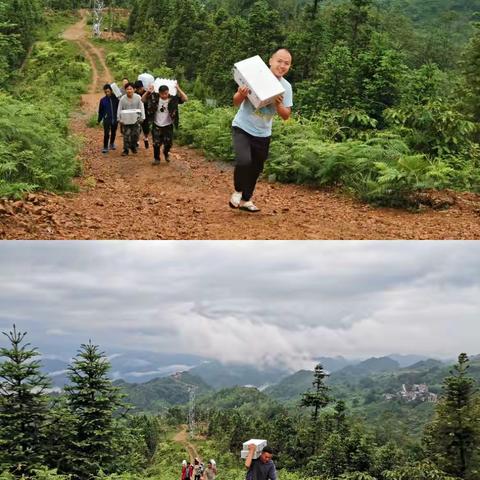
[(284, 302)]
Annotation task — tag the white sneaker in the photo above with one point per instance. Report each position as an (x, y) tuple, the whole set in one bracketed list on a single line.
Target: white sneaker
[(235, 199), (249, 207)]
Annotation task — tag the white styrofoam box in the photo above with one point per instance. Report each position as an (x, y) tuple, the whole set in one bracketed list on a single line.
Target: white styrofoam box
[(264, 87), (146, 79), (260, 444), (129, 117), (116, 91), (171, 84), (244, 454)]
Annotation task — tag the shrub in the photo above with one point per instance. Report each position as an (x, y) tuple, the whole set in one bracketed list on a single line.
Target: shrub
[(374, 166), (36, 151)]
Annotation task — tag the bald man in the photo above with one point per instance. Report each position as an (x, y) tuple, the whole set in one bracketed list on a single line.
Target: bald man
[(252, 130)]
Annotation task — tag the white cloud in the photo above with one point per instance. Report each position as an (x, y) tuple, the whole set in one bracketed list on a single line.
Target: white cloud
[(255, 302), (57, 332)]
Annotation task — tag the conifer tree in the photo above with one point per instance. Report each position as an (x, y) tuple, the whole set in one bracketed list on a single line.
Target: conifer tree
[(453, 438), (23, 406), (319, 398), (93, 401)]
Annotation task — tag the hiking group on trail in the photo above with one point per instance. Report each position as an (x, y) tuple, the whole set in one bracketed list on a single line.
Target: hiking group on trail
[(261, 468), (140, 110), (145, 110), (197, 471)]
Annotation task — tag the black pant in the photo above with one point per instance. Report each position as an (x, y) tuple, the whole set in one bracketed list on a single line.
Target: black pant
[(162, 136), (109, 133), (146, 127), (250, 155)]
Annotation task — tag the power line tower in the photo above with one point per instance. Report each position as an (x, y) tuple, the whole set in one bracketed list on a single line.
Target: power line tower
[(191, 410), (97, 14)]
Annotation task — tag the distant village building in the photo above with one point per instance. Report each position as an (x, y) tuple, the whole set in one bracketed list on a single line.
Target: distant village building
[(413, 393)]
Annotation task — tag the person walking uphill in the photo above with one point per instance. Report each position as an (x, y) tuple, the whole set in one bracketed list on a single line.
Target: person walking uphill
[(261, 468), (140, 90), (107, 113), (130, 112), (252, 130), (210, 472), (162, 111)]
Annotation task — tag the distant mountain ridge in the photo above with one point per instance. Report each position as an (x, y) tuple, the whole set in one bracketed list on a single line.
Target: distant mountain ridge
[(134, 368), (160, 393), (219, 375), (371, 365), (335, 363), (131, 366), (367, 381)]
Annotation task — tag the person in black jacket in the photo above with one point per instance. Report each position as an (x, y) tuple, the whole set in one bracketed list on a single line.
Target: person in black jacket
[(162, 112), (107, 113)]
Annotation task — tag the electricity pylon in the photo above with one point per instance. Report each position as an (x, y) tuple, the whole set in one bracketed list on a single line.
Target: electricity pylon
[(191, 410), (97, 14)]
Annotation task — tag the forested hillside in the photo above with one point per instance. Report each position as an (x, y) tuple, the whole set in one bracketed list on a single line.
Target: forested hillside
[(90, 431)]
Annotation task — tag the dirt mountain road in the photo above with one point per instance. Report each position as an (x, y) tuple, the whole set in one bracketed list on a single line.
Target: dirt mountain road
[(182, 438)]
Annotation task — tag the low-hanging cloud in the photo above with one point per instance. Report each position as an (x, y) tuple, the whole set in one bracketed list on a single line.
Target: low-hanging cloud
[(281, 303)]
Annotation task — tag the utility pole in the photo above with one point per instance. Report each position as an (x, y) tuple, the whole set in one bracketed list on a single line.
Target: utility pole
[(97, 14), (191, 410)]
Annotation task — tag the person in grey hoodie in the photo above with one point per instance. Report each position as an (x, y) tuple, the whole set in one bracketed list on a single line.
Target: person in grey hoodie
[(130, 123)]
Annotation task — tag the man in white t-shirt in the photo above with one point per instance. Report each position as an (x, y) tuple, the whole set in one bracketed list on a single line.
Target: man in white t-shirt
[(163, 109), (252, 130)]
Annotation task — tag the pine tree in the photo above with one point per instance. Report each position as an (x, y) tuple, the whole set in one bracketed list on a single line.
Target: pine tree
[(23, 406), (93, 401), (319, 398), (453, 438), (60, 436), (264, 32)]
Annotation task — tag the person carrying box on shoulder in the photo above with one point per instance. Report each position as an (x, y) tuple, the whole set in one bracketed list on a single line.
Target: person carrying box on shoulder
[(131, 111), (162, 111), (261, 468), (252, 130)]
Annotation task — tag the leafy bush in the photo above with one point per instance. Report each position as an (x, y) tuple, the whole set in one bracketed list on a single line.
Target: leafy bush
[(208, 129), (381, 169), (435, 128), (418, 471), (39, 474), (33, 155), (129, 60)]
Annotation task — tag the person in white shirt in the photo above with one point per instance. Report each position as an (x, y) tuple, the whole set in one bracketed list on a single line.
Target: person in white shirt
[(163, 108)]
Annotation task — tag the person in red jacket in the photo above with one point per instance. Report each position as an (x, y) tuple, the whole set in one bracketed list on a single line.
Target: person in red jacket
[(184, 471)]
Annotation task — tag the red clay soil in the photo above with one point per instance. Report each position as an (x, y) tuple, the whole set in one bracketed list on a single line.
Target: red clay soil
[(128, 198)]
